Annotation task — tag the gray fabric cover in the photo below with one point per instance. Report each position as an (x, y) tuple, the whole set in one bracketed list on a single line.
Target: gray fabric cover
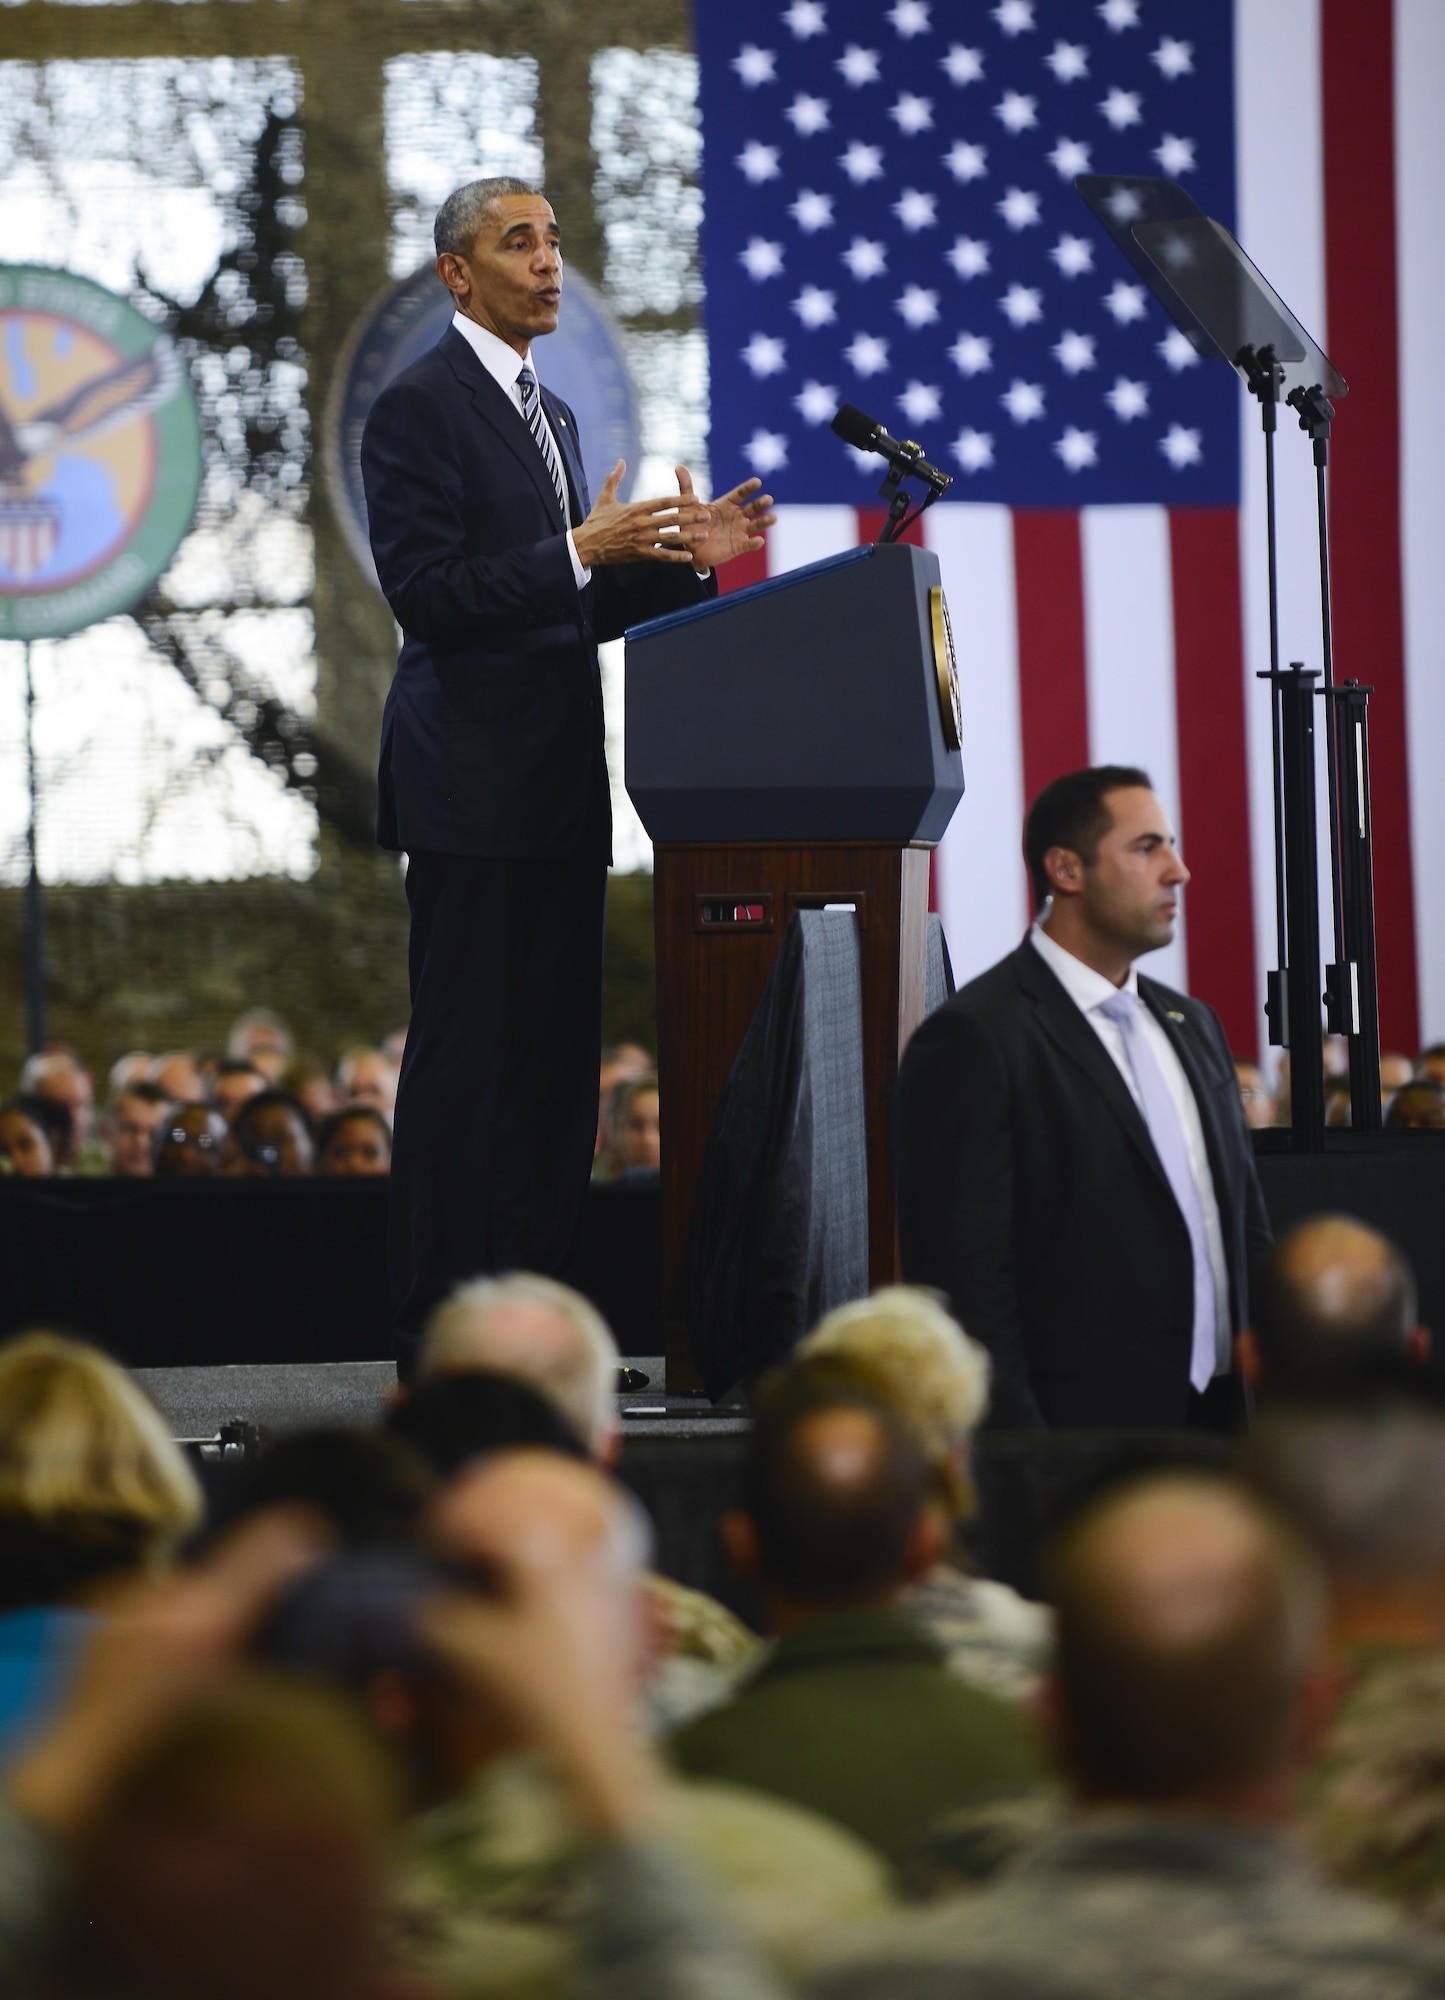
[(938, 985), (780, 1215)]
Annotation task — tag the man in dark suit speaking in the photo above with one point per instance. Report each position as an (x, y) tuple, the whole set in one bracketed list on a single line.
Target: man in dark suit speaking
[(1074, 1169), (503, 576)]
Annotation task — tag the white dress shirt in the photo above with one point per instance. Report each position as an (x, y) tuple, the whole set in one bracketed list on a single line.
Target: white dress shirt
[(504, 365), (1089, 990)]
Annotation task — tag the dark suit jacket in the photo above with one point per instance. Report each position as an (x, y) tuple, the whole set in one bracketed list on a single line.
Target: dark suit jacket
[(492, 733), (1030, 1192)]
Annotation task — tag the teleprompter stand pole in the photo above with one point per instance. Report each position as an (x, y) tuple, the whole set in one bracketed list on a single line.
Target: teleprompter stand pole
[(1298, 863)]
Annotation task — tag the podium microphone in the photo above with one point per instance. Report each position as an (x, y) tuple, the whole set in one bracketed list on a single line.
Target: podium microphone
[(865, 434)]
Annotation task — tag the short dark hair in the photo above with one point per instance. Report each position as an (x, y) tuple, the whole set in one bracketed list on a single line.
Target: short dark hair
[(452, 1419), (460, 215), (1071, 812), (347, 1115), (822, 1541), (144, 1091), (266, 1100), (238, 1066)]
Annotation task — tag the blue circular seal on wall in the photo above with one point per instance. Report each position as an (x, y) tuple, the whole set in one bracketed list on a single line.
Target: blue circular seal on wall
[(100, 452), (582, 362)]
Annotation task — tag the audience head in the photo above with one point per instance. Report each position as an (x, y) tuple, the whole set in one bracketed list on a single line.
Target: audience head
[(236, 1079), (620, 1060), (1189, 1644), (630, 1120), (262, 1037), (1430, 1064), (133, 1067), (64, 1081), (307, 1079), (1253, 1094), (393, 1044), (1332, 1302), (1418, 1107), (539, 1333), (355, 1141), (368, 1076), (837, 1509), (369, 1488), (1395, 1071), (1098, 844), (903, 1346), (179, 1076), (136, 1114), (451, 1420), (91, 1480), (243, 1851), (190, 1144), (273, 1136), (25, 1139)]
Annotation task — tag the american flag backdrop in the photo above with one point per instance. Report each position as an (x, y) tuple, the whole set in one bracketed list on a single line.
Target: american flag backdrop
[(890, 221)]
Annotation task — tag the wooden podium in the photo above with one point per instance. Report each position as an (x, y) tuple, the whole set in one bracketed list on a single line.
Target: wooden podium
[(789, 747)]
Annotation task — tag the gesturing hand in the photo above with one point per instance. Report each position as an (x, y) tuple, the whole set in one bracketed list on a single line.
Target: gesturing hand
[(732, 523), (640, 531)]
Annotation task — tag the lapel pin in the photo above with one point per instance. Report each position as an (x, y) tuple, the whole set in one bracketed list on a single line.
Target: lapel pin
[(1174, 1016)]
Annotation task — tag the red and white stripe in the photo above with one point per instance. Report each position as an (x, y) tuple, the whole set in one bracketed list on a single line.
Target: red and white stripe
[(1134, 634)]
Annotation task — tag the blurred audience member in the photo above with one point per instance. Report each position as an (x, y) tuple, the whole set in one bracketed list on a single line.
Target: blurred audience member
[(133, 1067), (92, 1485), (451, 1421), (273, 1136), (1430, 1064), (354, 1141), (1332, 1302), (64, 1081), (308, 1080), (262, 1037), (620, 1060), (393, 1044), (1191, 1692), (190, 1143), (137, 1111), (369, 1489), (904, 1346), (855, 1713), (630, 1129), (1418, 1107), (25, 1140), (236, 1079), (1395, 1071), (368, 1076), (179, 1076), (1254, 1094)]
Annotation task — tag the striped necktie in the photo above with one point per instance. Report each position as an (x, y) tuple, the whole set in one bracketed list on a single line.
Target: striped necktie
[(532, 411)]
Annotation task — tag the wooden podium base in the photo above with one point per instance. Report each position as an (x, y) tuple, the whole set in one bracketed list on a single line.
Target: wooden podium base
[(719, 915)]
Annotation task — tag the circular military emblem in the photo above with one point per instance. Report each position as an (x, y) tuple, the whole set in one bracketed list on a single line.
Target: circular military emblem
[(100, 453), (582, 362), (945, 666)]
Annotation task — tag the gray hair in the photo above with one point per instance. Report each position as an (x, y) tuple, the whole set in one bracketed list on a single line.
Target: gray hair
[(576, 1373), (460, 215)]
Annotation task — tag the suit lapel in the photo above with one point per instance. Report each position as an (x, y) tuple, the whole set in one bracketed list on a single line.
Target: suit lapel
[(501, 415), (1063, 1021)]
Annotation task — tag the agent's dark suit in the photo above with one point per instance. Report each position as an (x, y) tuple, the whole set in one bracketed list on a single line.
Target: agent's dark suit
[(1029, 1191), (493, 779)]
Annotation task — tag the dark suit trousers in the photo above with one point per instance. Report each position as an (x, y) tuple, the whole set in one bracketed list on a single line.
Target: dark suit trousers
[(496, 1113)]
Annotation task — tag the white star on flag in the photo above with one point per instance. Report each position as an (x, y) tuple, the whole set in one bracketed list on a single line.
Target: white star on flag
[(915, 210), (1070, 157), (1014, 17), (761, 259), (1074, 352), (1117, 15), (857, 66), (1181, 447), (862, 163), (966, 162), (765, 355), (1175, 155), (865, 259), (973, 450), (816, 403), (1128, 399), (867, 354), (1077, 448), (1121, 108), (917, 307), (1015, 112), (1019, 208), (971, 354), (910, 18), (1124, 204), (1021, 305), (962, 65), (1074, 255), (968, 257), (1068, 61), (1125, 302), (912, 114), (767, 452), (755, 65), (1178, 350), (921, 403), (1024, 401), (759, 162), (807, 115), (812, 211), (815, 307), (807, 18), (1174, 59)]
